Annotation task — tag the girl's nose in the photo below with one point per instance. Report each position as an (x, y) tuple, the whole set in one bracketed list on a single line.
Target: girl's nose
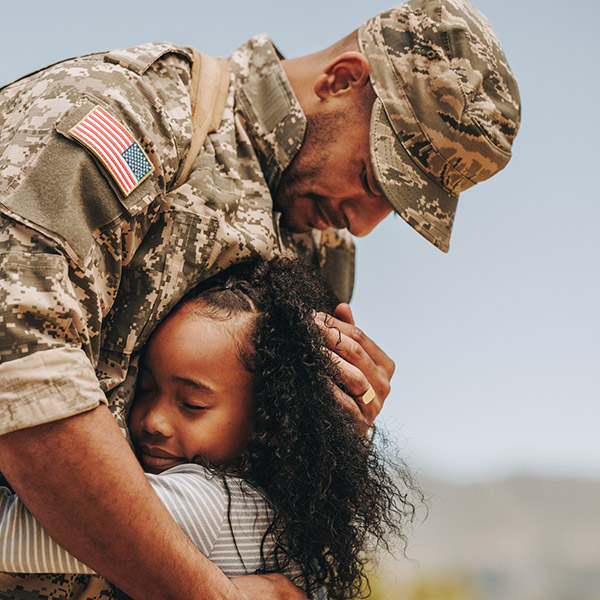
[(156, 421)]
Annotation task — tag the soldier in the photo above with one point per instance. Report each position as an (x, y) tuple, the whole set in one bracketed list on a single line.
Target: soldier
[(114, 204)]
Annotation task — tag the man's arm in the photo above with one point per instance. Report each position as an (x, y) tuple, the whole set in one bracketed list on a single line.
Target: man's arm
[(61, 469)]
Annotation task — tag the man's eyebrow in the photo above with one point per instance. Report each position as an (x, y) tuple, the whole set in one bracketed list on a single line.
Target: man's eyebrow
[(195, 384)]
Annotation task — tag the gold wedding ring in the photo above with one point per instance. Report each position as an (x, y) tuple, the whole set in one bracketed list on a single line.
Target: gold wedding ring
[(368, 396)]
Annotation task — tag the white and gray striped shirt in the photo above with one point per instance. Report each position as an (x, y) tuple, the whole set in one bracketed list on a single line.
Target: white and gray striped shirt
[(226, 527)]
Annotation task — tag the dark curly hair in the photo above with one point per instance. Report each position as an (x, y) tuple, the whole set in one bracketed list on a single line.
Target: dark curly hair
[(334, 497)]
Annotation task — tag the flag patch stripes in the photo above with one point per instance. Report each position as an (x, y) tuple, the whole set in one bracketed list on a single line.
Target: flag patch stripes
[(115, 147)]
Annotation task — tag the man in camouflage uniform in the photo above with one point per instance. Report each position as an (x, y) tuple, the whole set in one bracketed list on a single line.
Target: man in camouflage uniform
[(403, 115)]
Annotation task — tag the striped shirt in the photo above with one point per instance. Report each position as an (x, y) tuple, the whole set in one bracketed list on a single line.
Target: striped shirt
[(224, 517)]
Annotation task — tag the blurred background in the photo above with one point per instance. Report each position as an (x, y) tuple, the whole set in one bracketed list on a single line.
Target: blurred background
[(495, 401)]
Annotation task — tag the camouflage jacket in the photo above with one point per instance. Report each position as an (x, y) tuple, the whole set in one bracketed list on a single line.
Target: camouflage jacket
[(87, 268)]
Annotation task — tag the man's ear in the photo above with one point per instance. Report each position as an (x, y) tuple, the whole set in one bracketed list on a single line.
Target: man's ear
[(345, 73)]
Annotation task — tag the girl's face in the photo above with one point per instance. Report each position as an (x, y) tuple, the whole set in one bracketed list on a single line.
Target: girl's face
[(193, 396)]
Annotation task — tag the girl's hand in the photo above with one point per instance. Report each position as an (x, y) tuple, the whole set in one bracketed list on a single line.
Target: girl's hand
[(362, 364)]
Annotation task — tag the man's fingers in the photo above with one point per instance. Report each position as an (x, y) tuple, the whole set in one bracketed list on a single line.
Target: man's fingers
[(342, 342), (362, 364), (357, 350), (343, 312), (354, 410), (349, 341), (357, 389), (354, 380)]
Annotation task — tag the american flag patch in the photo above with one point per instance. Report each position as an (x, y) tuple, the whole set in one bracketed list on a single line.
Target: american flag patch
[(122, 156)]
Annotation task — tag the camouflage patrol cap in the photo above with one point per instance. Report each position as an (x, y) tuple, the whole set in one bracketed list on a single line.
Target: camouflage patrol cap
[(447, 108)]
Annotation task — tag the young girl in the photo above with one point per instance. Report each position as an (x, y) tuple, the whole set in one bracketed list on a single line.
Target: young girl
[(236, 422)]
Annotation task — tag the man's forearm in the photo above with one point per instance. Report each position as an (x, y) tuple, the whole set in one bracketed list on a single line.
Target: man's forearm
[(82, 482)]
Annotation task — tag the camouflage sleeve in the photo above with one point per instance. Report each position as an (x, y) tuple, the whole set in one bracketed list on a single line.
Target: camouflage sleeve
[(66, 227), (336, 255), (45, 345)]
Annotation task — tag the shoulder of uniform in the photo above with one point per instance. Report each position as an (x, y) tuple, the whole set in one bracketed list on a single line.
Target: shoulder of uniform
[(139, 58)]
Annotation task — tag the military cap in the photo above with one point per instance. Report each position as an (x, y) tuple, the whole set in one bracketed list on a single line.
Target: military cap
[(447, 108)]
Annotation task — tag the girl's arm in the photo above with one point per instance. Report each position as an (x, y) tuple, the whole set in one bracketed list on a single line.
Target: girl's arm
[(198, 505)]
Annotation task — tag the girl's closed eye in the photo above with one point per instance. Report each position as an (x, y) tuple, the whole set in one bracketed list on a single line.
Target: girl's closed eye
[(194, 407)]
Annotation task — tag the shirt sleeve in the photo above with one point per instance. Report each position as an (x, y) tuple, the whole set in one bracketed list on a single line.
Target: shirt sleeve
[(67, 229), (59, 382), (52, 301), (196, 501), (25, 547)]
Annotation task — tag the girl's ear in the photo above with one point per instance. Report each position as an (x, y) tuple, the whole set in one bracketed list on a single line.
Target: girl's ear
[(345, 74)]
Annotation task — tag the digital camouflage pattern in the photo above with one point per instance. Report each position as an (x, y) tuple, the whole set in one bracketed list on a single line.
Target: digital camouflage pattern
[(86, 273), (56, 586), (447, 112)]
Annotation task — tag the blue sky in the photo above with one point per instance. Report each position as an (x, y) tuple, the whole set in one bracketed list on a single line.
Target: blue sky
[(496, 343)]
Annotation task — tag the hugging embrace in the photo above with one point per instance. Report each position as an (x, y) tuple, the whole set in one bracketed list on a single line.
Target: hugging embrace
[(121, 190), (236, 422)]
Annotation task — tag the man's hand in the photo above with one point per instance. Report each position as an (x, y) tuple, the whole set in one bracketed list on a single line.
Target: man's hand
[(268, 587), (361, 362)]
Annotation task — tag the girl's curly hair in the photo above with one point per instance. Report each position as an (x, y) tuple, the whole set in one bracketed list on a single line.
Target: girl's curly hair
[(334, 497)]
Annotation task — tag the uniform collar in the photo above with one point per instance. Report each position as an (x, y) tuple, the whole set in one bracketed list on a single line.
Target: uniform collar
[(266, 103)]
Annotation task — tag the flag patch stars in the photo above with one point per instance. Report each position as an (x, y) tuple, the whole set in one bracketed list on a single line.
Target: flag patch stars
[(115, 147)]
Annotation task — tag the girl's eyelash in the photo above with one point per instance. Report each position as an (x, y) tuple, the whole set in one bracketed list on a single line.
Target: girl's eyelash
[(193, 406)]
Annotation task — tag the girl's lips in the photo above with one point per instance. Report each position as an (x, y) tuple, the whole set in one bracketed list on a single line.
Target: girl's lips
[(155, 459), (153, 451)]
